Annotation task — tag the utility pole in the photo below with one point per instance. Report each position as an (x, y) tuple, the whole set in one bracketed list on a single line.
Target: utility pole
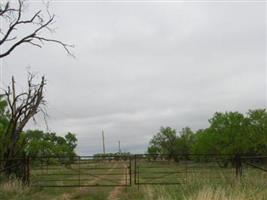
[(119, 142), (103, 142)]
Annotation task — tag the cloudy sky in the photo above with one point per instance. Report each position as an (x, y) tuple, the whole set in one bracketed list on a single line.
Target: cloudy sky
[(142, 65)]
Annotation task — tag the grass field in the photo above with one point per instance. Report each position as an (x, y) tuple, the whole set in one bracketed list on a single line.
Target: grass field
[(194, 182)]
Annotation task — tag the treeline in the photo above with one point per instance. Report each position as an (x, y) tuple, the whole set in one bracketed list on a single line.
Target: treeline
[(37, 143), (45, 144), (228, 133), (33, 143), (112, 156)]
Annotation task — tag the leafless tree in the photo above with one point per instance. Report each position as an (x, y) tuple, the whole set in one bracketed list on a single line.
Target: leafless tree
[(23, 107), (16, 29), (12, 17)]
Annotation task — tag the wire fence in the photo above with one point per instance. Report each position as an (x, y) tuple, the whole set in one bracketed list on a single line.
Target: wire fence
[(155, 169), (139, 169)]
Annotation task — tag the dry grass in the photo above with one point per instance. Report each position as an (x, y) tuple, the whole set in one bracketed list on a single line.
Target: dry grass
[(199, 185), (14, 186), (163, 194), (149, 192), (208, 193), (65, 196)]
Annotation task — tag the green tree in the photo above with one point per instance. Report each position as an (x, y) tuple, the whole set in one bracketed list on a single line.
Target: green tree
[(71, 140), (185, 141), (40, 144), (232, 133), (164, 142), (229, 132), (256, 131), (205, 142)]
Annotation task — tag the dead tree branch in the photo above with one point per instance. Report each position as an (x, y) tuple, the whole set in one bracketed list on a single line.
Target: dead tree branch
[(14, 20), (23, 107)]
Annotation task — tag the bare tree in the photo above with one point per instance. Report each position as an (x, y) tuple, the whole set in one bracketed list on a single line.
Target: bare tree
[(23, 107), (12, 17), (16, 29)]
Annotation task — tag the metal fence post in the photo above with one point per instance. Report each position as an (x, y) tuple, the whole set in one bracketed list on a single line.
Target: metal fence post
[(186, 171), (28, 170), (238, 166), (126, 176), (41, 162), (79, 171), (130, 170), (135, 169), (138, 177), (24, 167), (47, 165)]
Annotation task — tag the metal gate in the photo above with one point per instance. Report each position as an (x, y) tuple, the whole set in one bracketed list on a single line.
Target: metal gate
[(160, 169), (257, 162), (140, 169), (156, 170), (80, 171)]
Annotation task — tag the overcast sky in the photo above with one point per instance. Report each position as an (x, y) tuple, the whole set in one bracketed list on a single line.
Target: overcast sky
[(140, 66)]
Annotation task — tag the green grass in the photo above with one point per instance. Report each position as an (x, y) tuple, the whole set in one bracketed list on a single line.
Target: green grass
[(197, 182)]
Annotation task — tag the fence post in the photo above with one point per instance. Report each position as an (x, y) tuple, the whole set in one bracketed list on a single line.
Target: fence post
[(126, 176), (47, 165), (79, 171), (28, 170), (41, 162), (186, 171), (130, 170), (24, 164), (135, 169), (24, 173), (138, 171), (238, 166)]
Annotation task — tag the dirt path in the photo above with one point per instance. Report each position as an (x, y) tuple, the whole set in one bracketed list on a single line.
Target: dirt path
[(115, 193), (83, 190)]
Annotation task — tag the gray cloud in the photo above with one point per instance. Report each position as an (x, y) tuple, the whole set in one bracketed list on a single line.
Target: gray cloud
[(141, 67)]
